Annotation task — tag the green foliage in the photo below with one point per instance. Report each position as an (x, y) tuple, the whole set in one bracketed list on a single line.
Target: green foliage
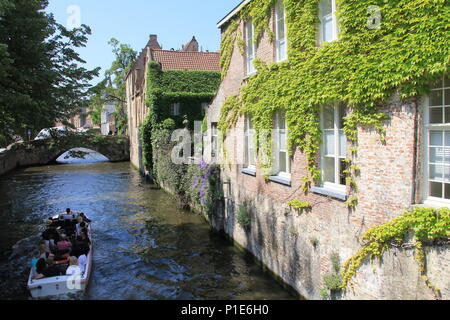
[(426, 224), (296, 204), (293, 231), (333, 281), (324, 293), (314, 241), (42, 78), (96, 115), (229, 113), (352, 201), (363, 69), (335, 261), (112, 88), (189, 88), (243, 217), (189, 81), (194, 185)]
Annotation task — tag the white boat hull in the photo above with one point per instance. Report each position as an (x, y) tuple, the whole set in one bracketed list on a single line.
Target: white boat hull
[(62, 285)]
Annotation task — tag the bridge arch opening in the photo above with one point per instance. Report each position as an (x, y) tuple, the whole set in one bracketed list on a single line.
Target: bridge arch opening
[(81, 155)]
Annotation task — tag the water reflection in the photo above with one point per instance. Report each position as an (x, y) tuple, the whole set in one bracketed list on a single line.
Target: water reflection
[(88, 156), (145, 247)]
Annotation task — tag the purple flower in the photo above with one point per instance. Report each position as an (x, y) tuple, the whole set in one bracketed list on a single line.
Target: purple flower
[(202, 165)]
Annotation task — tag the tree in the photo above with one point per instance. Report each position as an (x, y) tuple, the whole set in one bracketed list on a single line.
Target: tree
[(112, 88), (41, 79)]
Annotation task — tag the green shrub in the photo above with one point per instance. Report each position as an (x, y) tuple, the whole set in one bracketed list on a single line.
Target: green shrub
[(243, 217)]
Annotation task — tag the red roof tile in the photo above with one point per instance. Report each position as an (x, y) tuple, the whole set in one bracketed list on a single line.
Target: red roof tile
[(187, 60)]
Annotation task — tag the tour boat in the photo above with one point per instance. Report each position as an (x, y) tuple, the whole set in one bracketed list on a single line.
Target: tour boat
[(63, 284)]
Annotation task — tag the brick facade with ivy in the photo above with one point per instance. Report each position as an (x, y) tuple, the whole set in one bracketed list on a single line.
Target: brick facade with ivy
[(296, 244)]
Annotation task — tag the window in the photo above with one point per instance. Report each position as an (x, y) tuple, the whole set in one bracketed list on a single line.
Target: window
[(282, 159), (214, 140), (437, 128), (328, 21), (250, 158), (250, 48), (175, 109), (280, 32), (205, 106), (334, 147)]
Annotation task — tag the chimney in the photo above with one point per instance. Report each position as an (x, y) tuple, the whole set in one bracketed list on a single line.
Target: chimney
[(153, 42)]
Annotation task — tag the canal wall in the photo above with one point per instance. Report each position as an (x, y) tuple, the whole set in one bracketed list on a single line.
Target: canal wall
[(299, 245), (296, 248)]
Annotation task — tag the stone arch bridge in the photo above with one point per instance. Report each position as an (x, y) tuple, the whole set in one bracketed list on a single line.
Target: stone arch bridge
[(42, 152)]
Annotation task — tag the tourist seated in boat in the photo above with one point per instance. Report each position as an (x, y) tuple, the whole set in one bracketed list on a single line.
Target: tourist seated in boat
[(43, 252), (73, 268), (46, 269), (85, 219), (80, 226), (34, 260), (64, 245), (61, 232), (50, 233), (79, 247), (84, 236), (49, 244), (82, 262)]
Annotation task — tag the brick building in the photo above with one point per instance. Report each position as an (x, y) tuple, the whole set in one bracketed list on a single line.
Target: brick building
[(408, 170), (81, 121), (187, 58)]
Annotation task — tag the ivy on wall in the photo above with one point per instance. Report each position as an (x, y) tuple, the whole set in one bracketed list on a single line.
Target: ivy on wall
[(195, 185), (427, 225), (165, 87), (364, 68)]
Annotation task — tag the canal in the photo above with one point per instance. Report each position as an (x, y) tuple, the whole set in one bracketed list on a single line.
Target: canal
[(146, 247)]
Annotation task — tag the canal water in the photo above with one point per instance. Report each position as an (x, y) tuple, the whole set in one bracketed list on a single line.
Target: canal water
[(146, 247)]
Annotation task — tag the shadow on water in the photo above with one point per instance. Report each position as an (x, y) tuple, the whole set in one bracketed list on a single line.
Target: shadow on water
[(145, 246)]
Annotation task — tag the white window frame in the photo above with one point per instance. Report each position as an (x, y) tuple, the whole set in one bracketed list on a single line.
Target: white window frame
[(175, 109), (249, 144), (279, 41), (277, 149), (444, 127), (334, 23), (249, 66), (214, 138), (341, 188)]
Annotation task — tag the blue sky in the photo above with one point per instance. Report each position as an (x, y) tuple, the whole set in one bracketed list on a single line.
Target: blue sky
[(132, 21)]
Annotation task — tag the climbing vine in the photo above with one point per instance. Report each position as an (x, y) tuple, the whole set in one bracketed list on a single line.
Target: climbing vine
[(165, 87), (427, 225), (363, 69)]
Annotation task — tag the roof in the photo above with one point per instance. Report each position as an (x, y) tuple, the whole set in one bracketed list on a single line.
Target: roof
[(232, 13), (187, 60), (190, 46)]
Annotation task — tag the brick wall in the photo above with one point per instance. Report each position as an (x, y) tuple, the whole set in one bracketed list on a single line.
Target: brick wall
[(282, 238)]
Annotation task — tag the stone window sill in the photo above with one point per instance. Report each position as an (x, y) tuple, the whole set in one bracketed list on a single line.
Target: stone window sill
[(333, 193), (432, 204), (280, 180), (248, 76), (249, 171)]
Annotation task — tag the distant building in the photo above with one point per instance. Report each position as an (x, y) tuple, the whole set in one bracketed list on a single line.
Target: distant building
[(81, 121), (108, 120), (188, 58)]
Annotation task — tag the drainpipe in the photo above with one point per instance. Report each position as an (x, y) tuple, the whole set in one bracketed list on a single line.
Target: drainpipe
[(415, 151)]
